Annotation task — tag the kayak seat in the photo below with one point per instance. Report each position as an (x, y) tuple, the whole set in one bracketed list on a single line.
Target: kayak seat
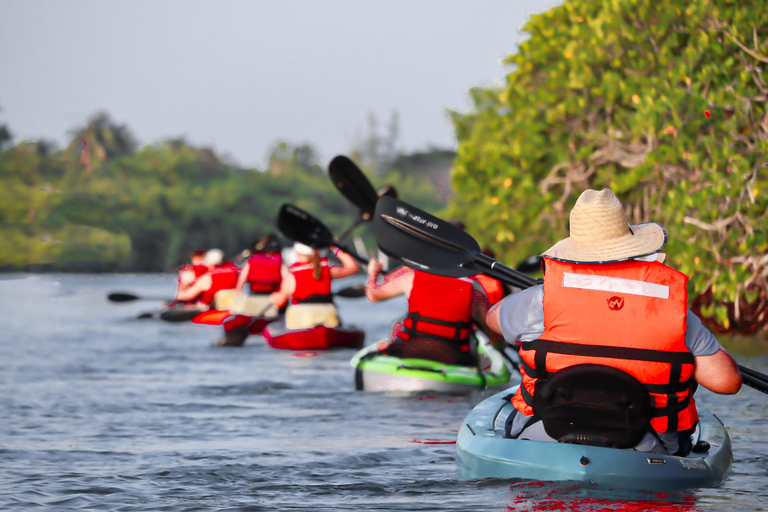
[(595, 405)]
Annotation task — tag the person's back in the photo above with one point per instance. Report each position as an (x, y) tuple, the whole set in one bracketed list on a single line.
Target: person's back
[(441, 310), (605, 300), (307, 285)]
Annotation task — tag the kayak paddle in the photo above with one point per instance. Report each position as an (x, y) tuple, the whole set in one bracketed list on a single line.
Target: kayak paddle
[(128, 297), (352, 183), (299, 225), (434, 245), (180, 315)]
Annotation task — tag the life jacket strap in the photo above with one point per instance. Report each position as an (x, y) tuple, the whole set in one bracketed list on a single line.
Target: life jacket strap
[(669, 390), (457, 339)]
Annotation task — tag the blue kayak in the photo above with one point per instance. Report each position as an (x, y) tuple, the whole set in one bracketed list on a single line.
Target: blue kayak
[(483, 452)]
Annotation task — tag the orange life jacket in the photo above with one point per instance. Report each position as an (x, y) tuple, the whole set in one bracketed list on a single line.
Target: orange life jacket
[(438, 308), (628, 315), (306, 284), (264, 272), (493, 287), (223, 277)]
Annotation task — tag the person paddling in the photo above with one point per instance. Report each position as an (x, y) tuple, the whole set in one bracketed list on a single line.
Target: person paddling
[(189, 273), (608, 300), (220, 276), (306, 287), (441, 310), (263, 274)]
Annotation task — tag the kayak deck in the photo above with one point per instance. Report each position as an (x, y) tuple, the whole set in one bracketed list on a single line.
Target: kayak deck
[(390, 373), (315, 338), (483, 452)]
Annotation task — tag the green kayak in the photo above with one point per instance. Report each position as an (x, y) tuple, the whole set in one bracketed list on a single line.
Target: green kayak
[(389, 373)]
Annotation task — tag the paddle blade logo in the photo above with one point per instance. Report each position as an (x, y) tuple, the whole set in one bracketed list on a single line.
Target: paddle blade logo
[(615, 303)]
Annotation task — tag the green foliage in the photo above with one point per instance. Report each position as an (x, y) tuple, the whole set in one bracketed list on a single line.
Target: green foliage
[(613, 93), (106, 206)]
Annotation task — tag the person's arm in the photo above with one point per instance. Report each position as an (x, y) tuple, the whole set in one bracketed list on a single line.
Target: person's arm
[(396, 283), (715, 369), (348, 266), (287, 287), (519, 317), (203, 283), (718, 373), (480, 310), (242, 277)]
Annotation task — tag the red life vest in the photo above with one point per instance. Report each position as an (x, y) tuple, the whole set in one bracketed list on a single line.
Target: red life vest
[(438, 308), (199, 270), (306, 284), (493, 287), (223, 277), (629, 315), (264, 272)]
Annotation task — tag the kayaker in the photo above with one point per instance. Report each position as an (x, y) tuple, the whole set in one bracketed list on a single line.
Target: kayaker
[(189, 272), (263, 270), (221, 275), (441, 311), (306, 287), (263, 274), (607, 299)]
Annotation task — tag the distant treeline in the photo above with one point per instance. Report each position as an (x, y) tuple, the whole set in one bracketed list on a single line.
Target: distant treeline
[(103, 204)]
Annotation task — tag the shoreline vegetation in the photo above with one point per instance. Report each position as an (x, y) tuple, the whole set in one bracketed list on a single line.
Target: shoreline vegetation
[(104, 205), (663, 102)]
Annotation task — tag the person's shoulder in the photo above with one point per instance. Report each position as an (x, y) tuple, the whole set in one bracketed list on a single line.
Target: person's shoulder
[(533, 295)]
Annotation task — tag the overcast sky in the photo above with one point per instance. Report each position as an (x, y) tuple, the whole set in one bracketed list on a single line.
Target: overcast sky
[(240, 75)]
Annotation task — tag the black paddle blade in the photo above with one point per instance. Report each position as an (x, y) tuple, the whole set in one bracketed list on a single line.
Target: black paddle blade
[(353, 185), (302, 227), (121, 297), (179, 315), (423, 241)]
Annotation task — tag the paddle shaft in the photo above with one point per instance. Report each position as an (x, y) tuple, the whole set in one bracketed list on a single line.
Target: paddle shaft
[(754, 379), (344, 234), (493, 268)]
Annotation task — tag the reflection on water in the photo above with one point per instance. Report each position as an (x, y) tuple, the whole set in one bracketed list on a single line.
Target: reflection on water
[(102, 411)]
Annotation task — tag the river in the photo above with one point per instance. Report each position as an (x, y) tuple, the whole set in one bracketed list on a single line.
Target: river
[(102, 411)]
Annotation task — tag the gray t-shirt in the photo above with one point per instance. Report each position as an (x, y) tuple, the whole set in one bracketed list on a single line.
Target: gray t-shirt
[(522, 318)]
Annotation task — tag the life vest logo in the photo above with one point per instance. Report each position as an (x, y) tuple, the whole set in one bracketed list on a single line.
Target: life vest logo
[(615, 303), (402, 211)]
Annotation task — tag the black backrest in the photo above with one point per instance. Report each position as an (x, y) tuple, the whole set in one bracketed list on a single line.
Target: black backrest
[(594, 404)]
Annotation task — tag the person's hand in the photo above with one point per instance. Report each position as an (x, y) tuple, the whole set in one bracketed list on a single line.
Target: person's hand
[(374, 268)]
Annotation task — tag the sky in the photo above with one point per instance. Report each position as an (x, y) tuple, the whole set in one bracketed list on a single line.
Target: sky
[(238, 75)]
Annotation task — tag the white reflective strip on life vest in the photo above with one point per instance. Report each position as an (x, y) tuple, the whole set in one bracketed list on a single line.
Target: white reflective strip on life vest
[(615, 284)]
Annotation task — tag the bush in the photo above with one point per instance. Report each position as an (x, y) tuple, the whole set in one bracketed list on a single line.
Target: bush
[(664, 103)]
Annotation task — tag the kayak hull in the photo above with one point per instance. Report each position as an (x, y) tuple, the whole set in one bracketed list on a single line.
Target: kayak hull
[(483, 452), (316, 338), (389, 373)]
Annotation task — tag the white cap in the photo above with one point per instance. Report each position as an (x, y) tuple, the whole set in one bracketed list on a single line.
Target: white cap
[(213, 257), (303, 249)]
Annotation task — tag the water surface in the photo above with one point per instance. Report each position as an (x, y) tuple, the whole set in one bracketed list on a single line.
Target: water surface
[(102, 411)]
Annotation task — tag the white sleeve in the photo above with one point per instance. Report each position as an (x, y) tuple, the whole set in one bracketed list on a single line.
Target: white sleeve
[(522, 315)]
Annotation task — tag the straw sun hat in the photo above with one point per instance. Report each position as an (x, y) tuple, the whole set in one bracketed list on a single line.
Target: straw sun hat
[(600, 232)]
